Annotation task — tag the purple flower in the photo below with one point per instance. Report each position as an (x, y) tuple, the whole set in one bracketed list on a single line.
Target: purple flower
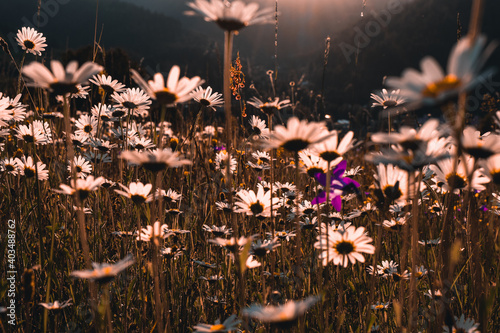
[(338, 185)]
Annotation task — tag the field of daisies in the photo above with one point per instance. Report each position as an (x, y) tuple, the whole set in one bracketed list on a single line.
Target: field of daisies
[(254, 220)]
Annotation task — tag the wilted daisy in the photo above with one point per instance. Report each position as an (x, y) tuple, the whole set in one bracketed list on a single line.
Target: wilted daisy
[(255, 204), (27, 168), (387, 99), (102, 146), (229, 325), (344, 246), (138, 192), (81, 187), (296, 136), (31, 40), (207, 98), (271, 106), (433, 85), (176, 91), (107, 84), (103, 273), (462, 324), (232, 16), (82, 166), (155, 160), (132, 100), (56, 305), (60, 81), (283, 316)]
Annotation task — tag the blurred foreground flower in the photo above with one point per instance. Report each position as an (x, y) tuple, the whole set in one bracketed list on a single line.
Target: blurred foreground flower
[(155, 160), (60, 81), (433, 85), (282, 316), (229, 325), (82, 187), (232, 16), (103, 273)]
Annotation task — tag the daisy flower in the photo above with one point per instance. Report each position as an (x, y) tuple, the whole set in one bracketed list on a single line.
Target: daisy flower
[(150, 232), (252, 263), (138, 192), (37, 132), (433, 85), (132, 100), (155, 160), (380, 306), (81, 187), (104, 273), (259, 127), (408, 137), (60, 81), (142, 143), (87, 126), (102, 146), (271, 106), (232, 16), (56, 305), (27, 168), (218, 231), (10, 166), (261, 247), (387, 268), (458, 180), (255, 204), (344, 246), (480, 146), (176, 91), (107, 84), (169, 195), (491, 168), (296, 136), (463, 324), (221, 161), (392, 184), (206, 98), (102, 111), (387, 99), (31, 40), (229, 325), (331, 150), (313, 164), (82, 166), (283, 316), (232, 244)]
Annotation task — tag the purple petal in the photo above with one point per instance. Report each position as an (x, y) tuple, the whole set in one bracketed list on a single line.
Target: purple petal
[(337, 203), (320, 198)]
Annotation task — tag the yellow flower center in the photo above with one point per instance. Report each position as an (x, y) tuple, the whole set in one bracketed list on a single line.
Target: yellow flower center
[(448, 83), (215, 328)]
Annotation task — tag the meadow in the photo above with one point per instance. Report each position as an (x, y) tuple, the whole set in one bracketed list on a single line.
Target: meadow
[(162, 205)]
